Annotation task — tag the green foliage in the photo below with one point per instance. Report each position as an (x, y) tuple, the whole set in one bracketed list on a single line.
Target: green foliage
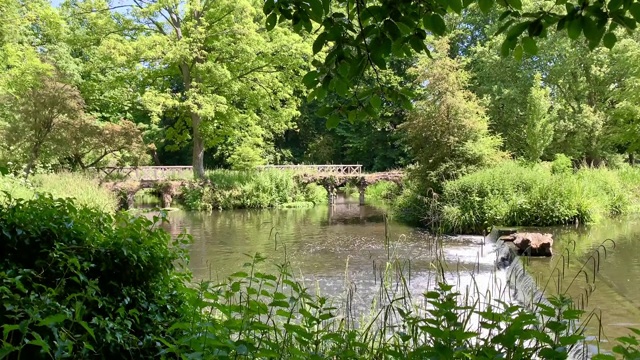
[(382, 190), (513, 194), (538, 128), (84, 189), (259, 315), (231, 189), (448, 129), (353, 37), (561, 164), (80, 283)]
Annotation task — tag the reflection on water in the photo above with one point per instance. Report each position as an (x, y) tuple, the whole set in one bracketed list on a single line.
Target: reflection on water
[(343, 249), (605, 282), (337, 250)]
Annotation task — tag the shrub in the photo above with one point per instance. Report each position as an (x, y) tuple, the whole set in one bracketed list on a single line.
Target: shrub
[(383, 190), (80, 283), (229, 189), (513, 194), (561, 164)]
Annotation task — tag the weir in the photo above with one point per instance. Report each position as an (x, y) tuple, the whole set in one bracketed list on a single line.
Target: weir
[(523, 288)]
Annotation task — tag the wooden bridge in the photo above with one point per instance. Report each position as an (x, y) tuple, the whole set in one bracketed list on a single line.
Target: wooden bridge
[(168, 180)]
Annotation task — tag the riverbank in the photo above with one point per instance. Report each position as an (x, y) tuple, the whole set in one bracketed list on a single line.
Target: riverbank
[(229, 189), (250, 314), (515, 194), (84, 189)]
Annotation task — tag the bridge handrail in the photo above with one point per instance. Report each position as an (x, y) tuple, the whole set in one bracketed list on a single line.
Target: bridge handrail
[(340, 168), (142, 172)]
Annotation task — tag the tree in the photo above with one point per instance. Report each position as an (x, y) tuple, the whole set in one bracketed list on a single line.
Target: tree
[(237, 81), (36, 116), (448, 129), (362, 34), (538, 129), (85, 143)]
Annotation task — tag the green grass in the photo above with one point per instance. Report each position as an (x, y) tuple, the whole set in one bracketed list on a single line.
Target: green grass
[(231, 189), (84, 189), (382, 191), (513, 194)]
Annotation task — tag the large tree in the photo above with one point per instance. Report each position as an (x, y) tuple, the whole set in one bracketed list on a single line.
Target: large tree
[(448, 130), (237, 80)]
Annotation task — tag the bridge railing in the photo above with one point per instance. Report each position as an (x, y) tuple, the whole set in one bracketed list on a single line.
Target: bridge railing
[(321, 169), (146, 172)]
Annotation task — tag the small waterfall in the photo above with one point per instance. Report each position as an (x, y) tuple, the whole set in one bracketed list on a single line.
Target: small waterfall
[(523, 288)]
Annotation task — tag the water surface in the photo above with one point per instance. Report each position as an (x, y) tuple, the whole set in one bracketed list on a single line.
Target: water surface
[(343, 249)]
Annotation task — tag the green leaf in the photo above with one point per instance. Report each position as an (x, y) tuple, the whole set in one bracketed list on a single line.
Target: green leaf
[(376, 102), (341, 86), (609, 40), (435, 23), (517, 30), (518, 52), (271, 21), (319, 42), (392, 29), (268, 7), (614, 5), (635, 11), (87, 329), (517, 4), (417, 44), (485, 5), (535, 28), (317, 10), (529, 45), (343, 69), (52, 319), (574, 27), (456, 6), (506, 47), (310, 80), (333, 121)]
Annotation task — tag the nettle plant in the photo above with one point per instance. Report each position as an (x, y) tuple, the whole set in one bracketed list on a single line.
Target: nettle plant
[(259, 315), (80, 283)]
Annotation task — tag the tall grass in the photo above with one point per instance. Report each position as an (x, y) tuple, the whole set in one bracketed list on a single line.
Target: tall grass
[(84, 189), (229, 189), (514, 194)]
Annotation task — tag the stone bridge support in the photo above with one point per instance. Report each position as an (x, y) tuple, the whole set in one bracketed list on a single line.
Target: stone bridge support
[(361, 190)]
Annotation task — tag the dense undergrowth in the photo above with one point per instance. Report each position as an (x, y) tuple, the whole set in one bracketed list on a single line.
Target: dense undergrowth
[(229, 189), (512, 194), (84, 189), (78, 283)]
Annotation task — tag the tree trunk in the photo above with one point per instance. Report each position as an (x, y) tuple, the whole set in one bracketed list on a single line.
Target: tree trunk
[(198, 147), (632, 159), (35, 154)]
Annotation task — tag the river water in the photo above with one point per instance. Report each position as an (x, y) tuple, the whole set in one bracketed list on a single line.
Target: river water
[(342, 250)]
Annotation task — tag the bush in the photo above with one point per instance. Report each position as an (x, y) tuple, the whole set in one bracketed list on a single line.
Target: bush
[(229, 189), (80, 283), (561, 164), (512, 194), (84, 189)]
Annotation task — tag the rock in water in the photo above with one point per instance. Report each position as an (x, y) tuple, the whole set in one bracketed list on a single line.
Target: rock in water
[(531, 244)]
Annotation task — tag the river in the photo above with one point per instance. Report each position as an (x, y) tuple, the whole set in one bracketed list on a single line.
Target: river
[(342, 250)]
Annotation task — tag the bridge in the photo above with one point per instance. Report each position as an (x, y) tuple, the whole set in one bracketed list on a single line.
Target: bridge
[(167, 181)]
